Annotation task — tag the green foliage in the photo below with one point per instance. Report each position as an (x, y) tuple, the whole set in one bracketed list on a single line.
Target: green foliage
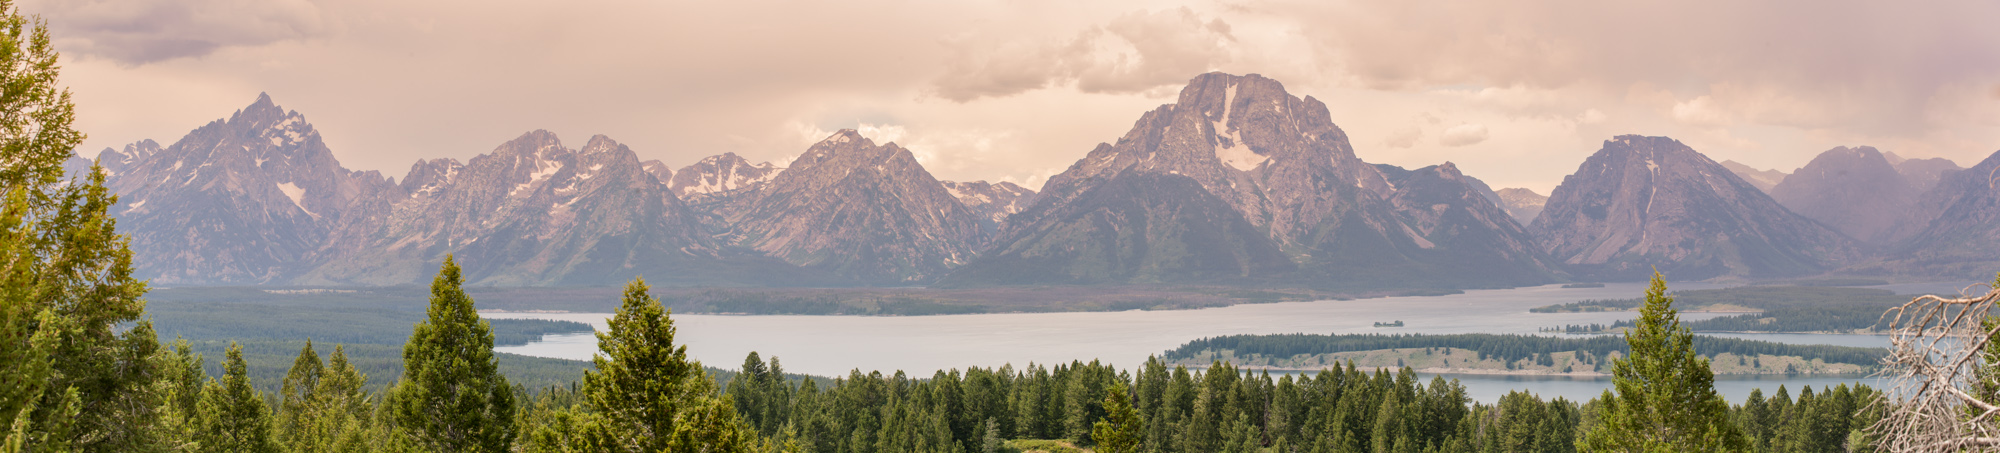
[(1666, 399), (72, 381), (451, 396), (647, 395)]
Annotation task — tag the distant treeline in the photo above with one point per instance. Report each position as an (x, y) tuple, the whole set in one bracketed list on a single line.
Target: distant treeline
[(1815, 306), (1222, 409), (1508, 347), (380, 326)]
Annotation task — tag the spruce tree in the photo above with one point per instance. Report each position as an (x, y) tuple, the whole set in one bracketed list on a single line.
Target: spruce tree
[(452, 397), (647, 395), (1666, 399), (74, 378), (233, 415)]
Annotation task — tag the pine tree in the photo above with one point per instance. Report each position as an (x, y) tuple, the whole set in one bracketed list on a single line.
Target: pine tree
[(452, 397), (233, 415), (647, 396), (72, 379), (1121, 430), (1666, 399)]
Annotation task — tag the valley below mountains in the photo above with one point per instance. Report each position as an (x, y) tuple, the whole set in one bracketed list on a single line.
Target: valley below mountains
[(1236, 184)]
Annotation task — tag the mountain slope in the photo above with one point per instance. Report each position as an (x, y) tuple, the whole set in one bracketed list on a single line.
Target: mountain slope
[(1651, 202), (1280, 166), (867, 213), (1852, 190)]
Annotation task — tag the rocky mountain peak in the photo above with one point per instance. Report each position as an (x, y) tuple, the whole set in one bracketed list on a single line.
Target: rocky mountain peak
[(1252, 182), (1641, 203)]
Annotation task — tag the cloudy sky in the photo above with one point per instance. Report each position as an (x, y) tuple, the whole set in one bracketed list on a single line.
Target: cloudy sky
[(1517, 93)]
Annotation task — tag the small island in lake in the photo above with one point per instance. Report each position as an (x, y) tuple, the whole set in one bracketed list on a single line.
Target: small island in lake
[(1584, 285), (1398, 323)]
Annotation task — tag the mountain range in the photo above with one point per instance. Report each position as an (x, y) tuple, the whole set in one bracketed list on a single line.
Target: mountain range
[(1236, 183)]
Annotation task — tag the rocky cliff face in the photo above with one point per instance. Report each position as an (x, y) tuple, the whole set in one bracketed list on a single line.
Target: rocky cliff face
[(992, 202), (1523, 204), (1646, 202), (1236, 181), (869, 213), (1763, 179), (1854, 190), (244, 200)]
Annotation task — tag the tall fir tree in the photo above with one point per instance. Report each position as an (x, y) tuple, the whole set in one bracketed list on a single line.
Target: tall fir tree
[(452, 397), (233, 415), (75, 380), (1666, 399), (647, 395), (1121, 430)]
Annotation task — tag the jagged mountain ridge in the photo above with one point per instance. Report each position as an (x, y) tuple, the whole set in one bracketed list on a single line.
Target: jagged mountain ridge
[(865, 212), (1642, 203), (1280, 174), (258, 199), (532, 212)]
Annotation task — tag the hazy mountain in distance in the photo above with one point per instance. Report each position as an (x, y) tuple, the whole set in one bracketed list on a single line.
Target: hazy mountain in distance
[(992, 202), (868, 213), (1641, 203), (1950, 231), (1238, 182), (1523, 204), (243, 200), (1854, 190), (1922, 174), (1763, 179)]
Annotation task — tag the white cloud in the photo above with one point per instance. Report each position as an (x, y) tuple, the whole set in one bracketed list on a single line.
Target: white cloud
[(134, 32), (1463, 134)]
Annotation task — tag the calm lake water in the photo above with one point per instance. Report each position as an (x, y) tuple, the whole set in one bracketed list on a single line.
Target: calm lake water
[(920, 345)]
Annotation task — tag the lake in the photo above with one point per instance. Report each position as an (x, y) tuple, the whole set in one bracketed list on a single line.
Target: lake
[(920, 345)]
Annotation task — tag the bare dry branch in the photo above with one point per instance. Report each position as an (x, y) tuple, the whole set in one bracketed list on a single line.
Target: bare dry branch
[(1935, 354)]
